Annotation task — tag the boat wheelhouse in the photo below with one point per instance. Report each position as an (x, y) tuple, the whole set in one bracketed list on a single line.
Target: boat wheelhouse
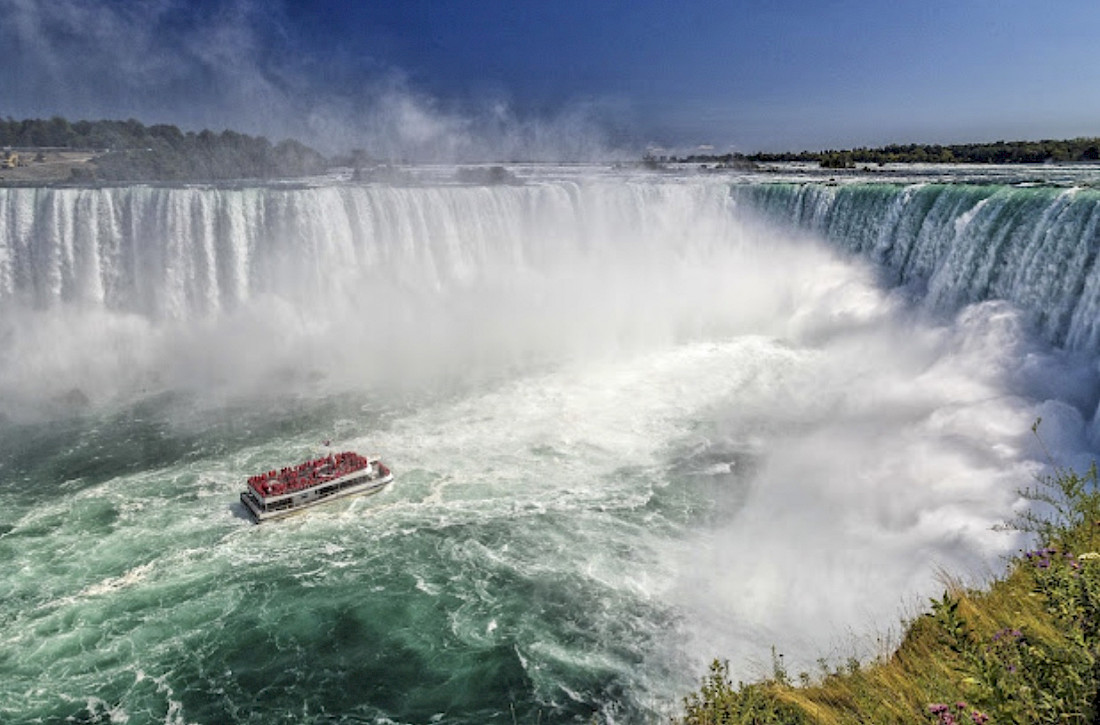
[(277, 494)]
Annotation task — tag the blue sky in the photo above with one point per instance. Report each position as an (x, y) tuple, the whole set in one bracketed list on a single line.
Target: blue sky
[(562, 77)]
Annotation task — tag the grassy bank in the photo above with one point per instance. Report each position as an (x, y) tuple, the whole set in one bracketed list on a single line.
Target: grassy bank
[(1023, 650)]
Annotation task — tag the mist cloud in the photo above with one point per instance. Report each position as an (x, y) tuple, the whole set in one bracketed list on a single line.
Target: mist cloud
[(156, 59), (236, 64)]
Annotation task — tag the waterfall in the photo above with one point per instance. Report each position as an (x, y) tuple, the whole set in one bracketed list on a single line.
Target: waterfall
[(109, 289), (180, 253), (1033, 246), (184, 253), (109, 292)]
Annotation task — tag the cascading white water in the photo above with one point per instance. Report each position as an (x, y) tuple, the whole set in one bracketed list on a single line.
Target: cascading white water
[(267, 279), (180, 253), (631, 432), (1034, 246)]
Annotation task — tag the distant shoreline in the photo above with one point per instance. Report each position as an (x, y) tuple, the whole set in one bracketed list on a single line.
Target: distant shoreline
[(56, 152), (1077, 150), (35, 166)]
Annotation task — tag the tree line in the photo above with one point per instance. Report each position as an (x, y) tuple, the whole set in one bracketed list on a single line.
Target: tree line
[(999, 152), (131, 151)]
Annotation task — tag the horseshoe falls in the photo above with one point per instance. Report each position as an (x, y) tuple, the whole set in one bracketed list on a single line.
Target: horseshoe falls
[(637, 421)]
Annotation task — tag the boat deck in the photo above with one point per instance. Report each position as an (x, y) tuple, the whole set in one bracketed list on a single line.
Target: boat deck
[(276, 494)]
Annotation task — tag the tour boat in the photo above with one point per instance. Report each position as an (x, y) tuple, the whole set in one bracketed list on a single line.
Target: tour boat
[(277, 494)]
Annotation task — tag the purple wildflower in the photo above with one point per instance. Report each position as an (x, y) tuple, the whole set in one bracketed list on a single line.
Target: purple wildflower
[(943, 713)]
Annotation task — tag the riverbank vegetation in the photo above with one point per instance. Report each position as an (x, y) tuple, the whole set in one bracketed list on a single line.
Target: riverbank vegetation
[(1080, 150), (1024, 650), (132, 151)]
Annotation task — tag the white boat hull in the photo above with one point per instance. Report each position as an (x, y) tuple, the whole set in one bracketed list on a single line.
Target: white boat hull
[(360, 483)]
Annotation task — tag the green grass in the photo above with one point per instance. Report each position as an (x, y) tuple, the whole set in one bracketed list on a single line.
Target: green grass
[(1026, 649)]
